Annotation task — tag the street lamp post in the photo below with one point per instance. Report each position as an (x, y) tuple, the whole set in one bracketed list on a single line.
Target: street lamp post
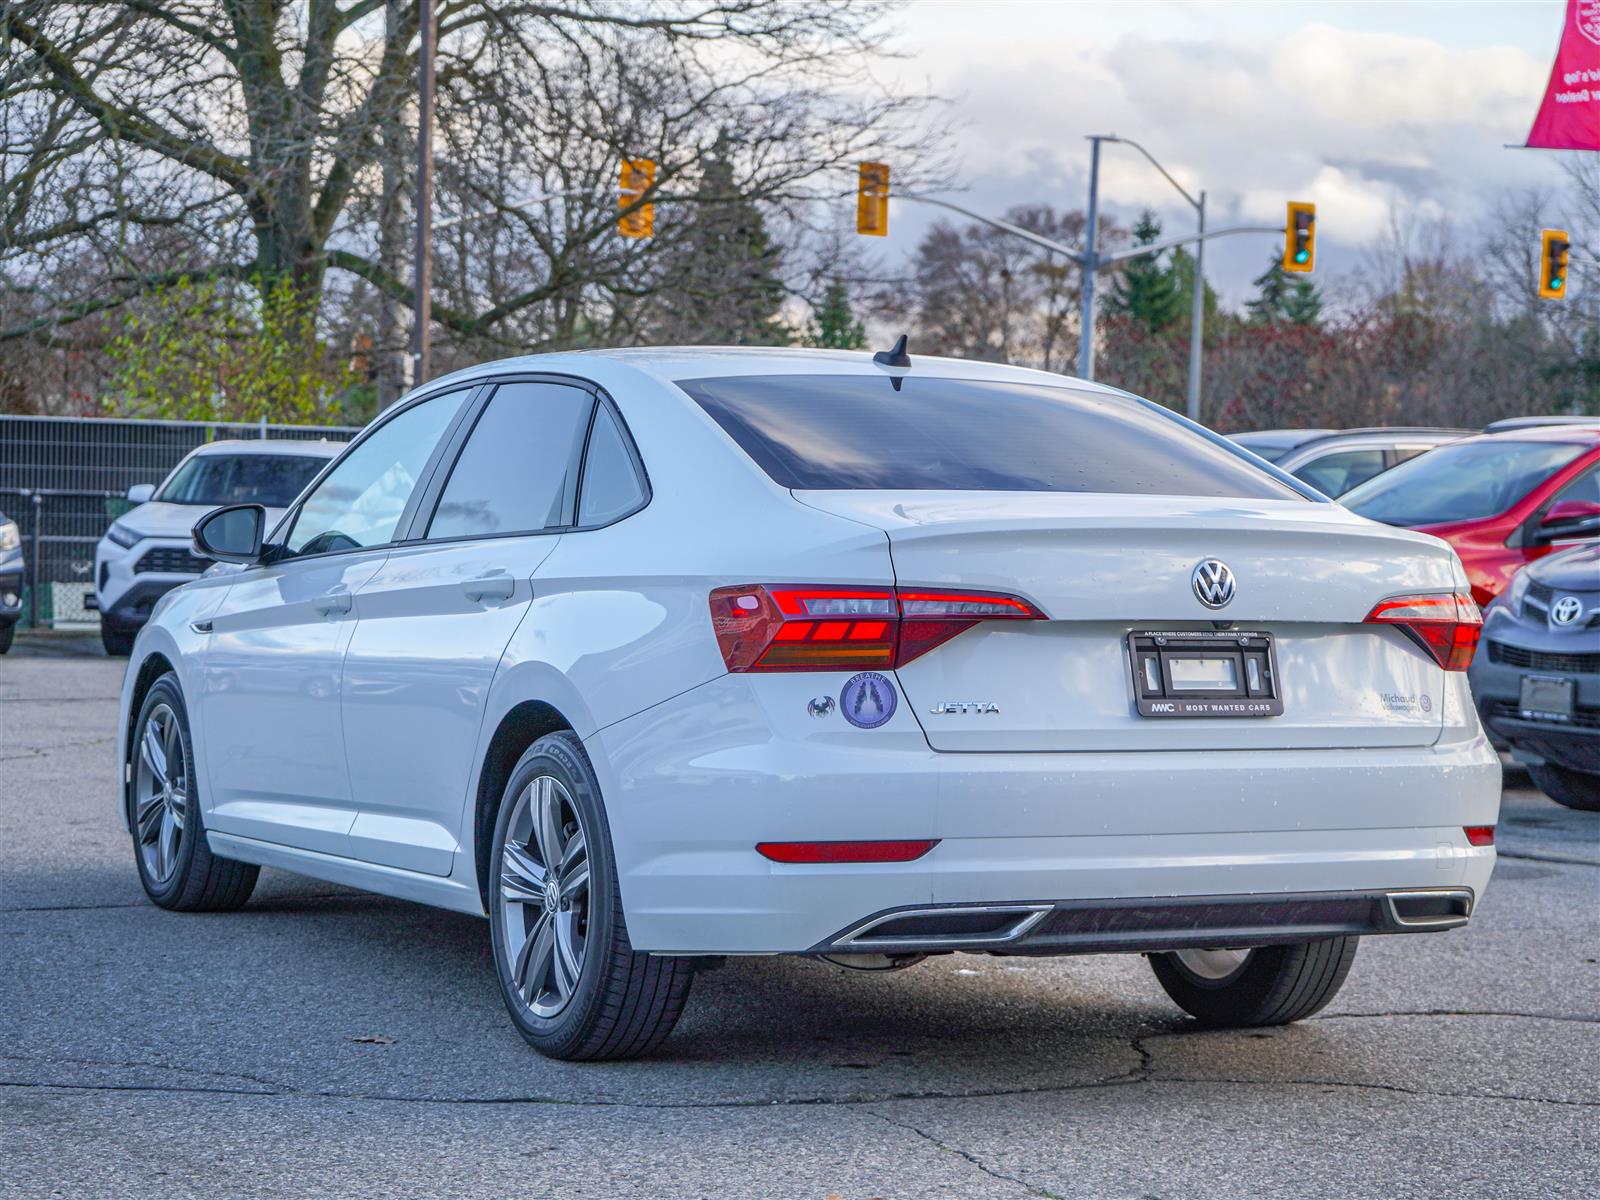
[(422, 267), (1197, 318)]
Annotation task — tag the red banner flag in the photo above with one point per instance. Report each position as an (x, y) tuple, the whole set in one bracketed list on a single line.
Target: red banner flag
[(1569, 118)]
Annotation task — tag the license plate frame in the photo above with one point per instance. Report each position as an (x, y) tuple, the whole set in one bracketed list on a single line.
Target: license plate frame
[(1550, 698), (1252, 653)]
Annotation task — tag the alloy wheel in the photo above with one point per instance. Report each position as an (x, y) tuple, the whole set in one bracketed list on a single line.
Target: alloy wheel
[(1213, 965), (161, 793), (543, 894)]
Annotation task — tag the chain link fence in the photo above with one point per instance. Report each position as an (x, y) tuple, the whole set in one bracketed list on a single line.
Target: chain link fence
[(63, 480)]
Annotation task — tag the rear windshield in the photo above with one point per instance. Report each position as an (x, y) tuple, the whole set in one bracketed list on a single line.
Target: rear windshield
[(1459, 482), (270, 479), (848, 432)]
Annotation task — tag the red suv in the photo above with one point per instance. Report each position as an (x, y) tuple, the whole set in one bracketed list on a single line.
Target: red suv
[(1501, 499)]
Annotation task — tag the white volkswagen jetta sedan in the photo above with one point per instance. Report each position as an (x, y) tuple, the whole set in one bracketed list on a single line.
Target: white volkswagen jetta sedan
[(657, 656)]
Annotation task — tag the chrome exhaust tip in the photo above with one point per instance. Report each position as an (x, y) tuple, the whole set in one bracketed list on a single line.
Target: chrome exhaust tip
[(1429, 908)]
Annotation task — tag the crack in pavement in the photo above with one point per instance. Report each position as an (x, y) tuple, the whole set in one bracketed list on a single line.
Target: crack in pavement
[(1144, 1074), (1451, 1012), (1031, 1188)]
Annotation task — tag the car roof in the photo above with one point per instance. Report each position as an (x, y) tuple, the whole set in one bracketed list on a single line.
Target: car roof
[(306, 448), (672, 364), (1582, 435), (1288, 438), (1505, 423)]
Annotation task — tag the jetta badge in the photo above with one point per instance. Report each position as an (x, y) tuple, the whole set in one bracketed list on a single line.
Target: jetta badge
[(1566, 610), (1213, 583)]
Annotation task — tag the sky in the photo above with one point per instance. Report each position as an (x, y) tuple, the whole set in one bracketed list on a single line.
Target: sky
[(1367, 109)]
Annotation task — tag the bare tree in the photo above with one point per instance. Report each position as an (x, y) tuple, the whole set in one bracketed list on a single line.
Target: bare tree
[(264, 139)]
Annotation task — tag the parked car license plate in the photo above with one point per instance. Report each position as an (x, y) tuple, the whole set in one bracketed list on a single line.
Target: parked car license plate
[(1547, 698), (1212, 673)]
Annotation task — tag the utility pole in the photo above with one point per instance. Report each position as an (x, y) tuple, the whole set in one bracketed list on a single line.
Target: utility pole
[(422, 277), (1090, 240)]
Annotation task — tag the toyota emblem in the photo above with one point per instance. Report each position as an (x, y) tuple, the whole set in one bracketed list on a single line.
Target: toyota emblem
[(1566, 610), (1213, 583)]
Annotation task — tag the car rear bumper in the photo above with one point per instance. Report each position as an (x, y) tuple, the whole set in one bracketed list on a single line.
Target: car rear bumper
[(1152, 923), (693, 784)]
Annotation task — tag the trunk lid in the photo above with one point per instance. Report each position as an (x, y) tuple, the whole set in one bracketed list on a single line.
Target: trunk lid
[(1102, 566)]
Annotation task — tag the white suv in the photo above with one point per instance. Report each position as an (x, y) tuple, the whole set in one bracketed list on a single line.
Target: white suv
[(657, 656), (146, 552)]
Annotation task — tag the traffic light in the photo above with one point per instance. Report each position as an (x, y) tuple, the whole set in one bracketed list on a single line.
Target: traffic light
[(637, 176), (1300, 237), (872, 200), (1554, 249)]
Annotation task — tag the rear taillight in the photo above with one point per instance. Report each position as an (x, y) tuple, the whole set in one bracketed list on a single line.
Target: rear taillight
[(795, 627), (1447, 625), (1479, 835)]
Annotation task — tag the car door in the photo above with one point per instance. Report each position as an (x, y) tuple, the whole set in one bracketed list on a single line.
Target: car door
[(435, 618), (273, 748)]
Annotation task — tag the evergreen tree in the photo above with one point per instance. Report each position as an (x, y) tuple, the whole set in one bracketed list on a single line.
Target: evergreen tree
[(1303, 305), (723, 286), (1145, 289), (834, 325), (1272, 285), (1280, 300)]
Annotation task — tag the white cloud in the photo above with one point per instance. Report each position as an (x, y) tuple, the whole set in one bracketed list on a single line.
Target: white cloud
[(1359, 120)]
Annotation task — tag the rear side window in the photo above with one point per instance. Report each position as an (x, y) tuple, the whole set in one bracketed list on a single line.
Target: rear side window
[(518, 471), (611, 485), (833, 432)]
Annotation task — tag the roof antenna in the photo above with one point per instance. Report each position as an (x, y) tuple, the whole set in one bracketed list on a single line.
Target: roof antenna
[(896, 357)]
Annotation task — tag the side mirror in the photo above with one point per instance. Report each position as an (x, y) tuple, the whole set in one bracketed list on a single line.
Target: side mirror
[(1569, 519), (140, 493), (231, 534)]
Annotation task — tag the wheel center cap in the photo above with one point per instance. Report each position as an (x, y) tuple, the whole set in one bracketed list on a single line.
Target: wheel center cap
[(552, 896)]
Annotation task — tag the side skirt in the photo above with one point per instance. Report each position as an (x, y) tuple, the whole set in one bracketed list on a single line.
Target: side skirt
[(369, 877)]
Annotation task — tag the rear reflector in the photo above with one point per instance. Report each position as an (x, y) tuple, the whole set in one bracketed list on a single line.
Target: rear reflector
[(1480, 835), (1447, 625), (794, 627), (844, 852)]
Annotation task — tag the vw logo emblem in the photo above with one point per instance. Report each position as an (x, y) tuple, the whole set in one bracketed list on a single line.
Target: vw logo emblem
[(552, 895), (1566, 610), (1213, 583)]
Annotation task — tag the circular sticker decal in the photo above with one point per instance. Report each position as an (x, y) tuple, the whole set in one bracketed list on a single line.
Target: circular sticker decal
[(868, 700)]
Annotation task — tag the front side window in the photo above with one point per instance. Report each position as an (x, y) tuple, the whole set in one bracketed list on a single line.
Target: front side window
[(1463, 481), (361, 501), (518, 470), (215, 479), (859, 432), (1335, 474)]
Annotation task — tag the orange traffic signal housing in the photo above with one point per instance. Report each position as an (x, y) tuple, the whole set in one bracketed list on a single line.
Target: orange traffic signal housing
[(637, 176), (1300, 237), (872, 200), (1555, 247)]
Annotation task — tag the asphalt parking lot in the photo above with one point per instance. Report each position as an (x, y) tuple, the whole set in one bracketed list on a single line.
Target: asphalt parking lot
[(323, 1042)]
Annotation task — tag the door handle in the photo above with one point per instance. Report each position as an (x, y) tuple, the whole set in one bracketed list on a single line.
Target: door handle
[(334, 604), (499, 586)]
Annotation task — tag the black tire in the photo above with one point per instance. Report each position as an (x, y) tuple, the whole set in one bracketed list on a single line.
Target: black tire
[(1273, 986), (1572, 789), (623, 1003), (118, 643), (197, 880), (8, 633)]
